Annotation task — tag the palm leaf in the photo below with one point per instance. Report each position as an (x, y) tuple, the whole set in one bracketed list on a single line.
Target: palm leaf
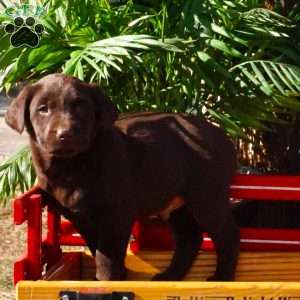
[(261, 16), (16, 175), (145, 42), (271, 77), (102, 54), (225, 120)]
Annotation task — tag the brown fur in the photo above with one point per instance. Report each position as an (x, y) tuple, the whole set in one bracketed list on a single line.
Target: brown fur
[(104, 172)]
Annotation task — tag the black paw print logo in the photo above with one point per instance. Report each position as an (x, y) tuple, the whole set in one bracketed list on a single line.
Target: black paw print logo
[(24, 32)]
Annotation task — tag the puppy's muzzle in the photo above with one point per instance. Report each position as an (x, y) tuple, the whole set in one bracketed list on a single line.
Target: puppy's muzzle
[(65, 134)]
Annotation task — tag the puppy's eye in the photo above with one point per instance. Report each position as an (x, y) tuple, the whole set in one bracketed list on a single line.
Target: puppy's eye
[(43, 109)]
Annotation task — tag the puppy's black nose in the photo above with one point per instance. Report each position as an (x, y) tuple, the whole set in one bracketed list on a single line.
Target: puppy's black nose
[(64, 134)]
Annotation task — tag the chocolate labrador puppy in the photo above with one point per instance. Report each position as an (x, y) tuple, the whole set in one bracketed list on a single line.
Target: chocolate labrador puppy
[(105, 172)]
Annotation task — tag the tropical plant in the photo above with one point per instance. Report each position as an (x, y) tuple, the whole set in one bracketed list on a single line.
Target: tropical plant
[(234, 63), (17, 173)]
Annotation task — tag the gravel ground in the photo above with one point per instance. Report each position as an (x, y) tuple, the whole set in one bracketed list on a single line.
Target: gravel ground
[(12, 238), (12, 246)]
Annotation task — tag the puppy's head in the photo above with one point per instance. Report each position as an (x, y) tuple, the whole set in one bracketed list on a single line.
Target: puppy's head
[(61, 114)]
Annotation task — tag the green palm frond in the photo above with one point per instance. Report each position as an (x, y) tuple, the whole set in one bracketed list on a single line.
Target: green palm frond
[(103, 54), (262, 16), (272, 78), (16, 174)]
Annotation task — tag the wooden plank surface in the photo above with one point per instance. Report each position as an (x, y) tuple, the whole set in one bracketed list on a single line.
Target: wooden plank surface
[(30, 290), (252, 266), (260, 276)]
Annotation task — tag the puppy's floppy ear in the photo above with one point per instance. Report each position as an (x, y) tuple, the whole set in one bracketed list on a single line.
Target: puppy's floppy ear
[(106, 110), (16, 113)]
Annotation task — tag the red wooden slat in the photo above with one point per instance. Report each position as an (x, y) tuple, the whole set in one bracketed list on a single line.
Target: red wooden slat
[(20, 205), (72, 240), (69, 236), (136, 236), (51, 246), (266, 187), (20, 211), (158, 237), (34, 236), (20, 269), (268, 180)]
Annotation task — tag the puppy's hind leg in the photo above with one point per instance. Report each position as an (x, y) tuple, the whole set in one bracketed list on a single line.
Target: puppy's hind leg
[(226, 240), (188, 239)]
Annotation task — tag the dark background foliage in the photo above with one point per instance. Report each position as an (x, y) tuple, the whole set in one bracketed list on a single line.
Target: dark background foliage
[(234, 63)]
